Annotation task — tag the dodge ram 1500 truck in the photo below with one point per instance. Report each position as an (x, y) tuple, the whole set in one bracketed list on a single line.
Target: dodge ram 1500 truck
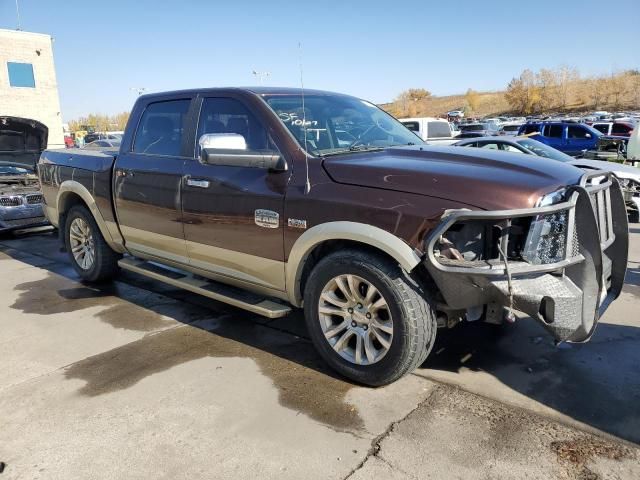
[(251, 197)]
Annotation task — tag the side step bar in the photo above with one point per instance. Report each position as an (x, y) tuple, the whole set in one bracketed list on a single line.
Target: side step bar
[(208, 288)]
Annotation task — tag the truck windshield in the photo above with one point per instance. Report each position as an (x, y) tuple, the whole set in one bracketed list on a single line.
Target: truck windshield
[(338, 124), (542, 150)]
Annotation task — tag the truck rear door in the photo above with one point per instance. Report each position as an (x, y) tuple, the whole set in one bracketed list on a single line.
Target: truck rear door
[(148, 179), (233, 215)]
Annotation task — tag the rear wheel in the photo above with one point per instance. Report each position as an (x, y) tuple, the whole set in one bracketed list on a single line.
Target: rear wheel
[(367, 317), (90, 255)]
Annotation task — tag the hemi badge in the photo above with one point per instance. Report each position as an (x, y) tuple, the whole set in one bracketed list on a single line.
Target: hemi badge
[(267, 218), (297, 223)]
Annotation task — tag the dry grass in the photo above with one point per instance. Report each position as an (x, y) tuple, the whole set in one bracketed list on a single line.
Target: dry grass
[(613, 93)]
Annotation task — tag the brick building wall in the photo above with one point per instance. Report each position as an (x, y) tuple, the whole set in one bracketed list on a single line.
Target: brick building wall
[(42, 102)]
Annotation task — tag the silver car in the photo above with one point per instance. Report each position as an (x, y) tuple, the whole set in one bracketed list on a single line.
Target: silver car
[(627, 175), (21, 202), (20, 198)]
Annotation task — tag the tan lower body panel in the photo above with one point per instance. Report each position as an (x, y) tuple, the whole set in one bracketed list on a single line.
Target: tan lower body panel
[(247, 268), (262, 306)]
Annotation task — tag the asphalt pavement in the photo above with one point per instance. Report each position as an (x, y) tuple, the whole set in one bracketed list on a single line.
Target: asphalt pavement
[(137, 379)]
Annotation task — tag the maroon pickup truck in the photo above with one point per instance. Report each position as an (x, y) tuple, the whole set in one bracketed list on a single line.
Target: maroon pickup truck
[(270, 199)]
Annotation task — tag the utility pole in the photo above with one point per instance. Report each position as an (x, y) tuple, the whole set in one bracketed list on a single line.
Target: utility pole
[(261, 75), (18, 15)]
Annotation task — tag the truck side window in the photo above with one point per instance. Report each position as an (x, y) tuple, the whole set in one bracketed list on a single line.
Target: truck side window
[(619, 128), (601, 127), (228, 115), (413, 126), (575, 131), (438, 129), (554, 131), (161, 127)]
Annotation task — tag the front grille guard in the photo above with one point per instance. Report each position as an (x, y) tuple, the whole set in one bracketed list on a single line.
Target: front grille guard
[(597, 266)]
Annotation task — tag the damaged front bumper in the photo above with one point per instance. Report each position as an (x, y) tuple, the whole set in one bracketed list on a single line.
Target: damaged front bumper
[(566, 292)]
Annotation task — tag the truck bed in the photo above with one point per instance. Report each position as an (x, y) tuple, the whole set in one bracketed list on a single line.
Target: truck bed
[(90, 168)]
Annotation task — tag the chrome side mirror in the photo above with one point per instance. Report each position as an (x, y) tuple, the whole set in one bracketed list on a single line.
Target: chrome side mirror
[(228, 141), (230, 149)]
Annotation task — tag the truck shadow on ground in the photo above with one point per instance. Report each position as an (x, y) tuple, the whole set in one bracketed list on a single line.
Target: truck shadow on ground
[(596, 383)]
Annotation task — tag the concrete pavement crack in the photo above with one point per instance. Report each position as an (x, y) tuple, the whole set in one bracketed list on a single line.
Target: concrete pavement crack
[(374, 450)]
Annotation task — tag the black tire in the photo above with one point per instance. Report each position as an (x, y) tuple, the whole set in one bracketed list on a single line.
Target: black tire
[(105, 264), (414, 320)]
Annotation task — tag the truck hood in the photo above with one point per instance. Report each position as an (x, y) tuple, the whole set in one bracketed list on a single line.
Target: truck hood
[(22, 140), (486, 179)]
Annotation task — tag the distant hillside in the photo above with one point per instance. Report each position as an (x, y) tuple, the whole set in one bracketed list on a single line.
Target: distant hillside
[(489, 103), (545, 91)]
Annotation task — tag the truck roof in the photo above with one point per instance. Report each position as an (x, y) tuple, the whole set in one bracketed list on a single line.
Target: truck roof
[(261, 90)]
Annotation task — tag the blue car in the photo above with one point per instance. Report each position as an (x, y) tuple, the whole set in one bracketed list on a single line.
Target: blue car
[(569, 137)]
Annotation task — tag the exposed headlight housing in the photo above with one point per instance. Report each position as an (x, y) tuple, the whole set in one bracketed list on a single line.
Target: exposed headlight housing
[(547, 238)]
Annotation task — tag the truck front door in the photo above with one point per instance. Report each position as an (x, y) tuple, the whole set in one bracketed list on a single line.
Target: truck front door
[(553, 134), (148, 179), (579, 139), (233, 215)]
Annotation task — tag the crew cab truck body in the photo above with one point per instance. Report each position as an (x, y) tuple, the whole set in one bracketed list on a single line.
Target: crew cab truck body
[(248, 196)]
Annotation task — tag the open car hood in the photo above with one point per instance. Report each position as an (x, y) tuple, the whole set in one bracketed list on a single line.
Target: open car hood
[(22, 140), (486, 179)]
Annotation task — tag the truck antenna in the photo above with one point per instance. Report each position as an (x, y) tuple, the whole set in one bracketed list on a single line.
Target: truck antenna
[(18, 15), (307, 185)]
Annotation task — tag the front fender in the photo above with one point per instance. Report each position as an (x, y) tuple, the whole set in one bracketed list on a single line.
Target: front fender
[(353, 231)]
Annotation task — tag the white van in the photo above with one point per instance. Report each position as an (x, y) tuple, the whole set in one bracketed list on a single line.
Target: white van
[(431, 129)]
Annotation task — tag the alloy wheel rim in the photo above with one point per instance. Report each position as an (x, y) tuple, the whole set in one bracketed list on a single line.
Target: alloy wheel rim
[(355, 319), (82, 246)]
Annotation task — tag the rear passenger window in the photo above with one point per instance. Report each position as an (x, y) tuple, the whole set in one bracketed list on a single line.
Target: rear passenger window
[(554, 131), (228, 115), (602, 128), (161, 128), (575, 131)]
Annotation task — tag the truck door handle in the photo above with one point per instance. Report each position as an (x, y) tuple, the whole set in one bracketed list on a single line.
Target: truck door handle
[(195, 182), (124, 173)]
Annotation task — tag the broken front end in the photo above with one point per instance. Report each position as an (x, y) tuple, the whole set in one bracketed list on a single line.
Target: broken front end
[(562, 262)]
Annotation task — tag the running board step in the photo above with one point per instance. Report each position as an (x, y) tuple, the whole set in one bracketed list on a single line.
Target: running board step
[(208, 288)]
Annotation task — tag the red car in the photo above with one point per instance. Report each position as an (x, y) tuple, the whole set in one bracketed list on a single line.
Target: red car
[(615, 129)]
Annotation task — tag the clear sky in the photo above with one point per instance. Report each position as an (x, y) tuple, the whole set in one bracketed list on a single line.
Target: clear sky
[(373, 49)]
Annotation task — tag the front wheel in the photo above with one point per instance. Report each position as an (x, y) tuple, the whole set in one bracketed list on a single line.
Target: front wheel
[(90, 255), (367, 317)]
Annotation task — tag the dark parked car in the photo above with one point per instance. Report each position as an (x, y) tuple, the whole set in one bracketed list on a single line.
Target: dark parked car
[(92, 137), (100, 144), (571, 138), (614, 129), (248, 197), (483, 129)]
